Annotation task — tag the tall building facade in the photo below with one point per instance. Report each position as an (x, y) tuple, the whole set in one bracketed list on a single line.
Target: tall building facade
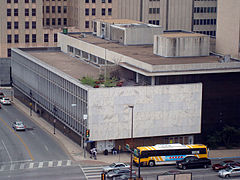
[(228, 28), (35, 23)]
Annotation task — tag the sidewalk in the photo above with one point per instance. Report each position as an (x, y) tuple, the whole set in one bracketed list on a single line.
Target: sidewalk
[(76, 152)]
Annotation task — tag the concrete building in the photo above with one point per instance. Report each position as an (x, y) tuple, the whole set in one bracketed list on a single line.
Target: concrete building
[(228, 28), (34, 23), (173, 99)]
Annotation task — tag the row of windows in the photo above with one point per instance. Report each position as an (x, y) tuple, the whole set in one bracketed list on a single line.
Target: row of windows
[(27, 38), (27, 25), (54, 0), (154, 10), (146, 154), (16, 1), (156, 22), (59, 9), (54, 21), (211, 33), (205, 9), (109, 10), (204, 22), (15, 12), (103, 1), (205, 0)]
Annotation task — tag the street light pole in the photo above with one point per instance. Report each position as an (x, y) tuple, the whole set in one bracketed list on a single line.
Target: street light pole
[(131, 161)]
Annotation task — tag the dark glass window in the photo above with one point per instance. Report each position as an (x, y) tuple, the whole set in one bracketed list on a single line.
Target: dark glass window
[(55, 37), (9, 38), (93, 12), (33, 24), (33, 12), (45, 37), (8, 1), (9, 52), (16, 38), (110, 11), (86, 12), (86, 24), (53, 9), (9, 25), (15, 12), (65, 21), (26, 25), (26, 12), (9, 12), (59, 9), (26, 1), (15, 25), (34, 38), (53, 22), (26, 38), (103, 11), (59, 21)]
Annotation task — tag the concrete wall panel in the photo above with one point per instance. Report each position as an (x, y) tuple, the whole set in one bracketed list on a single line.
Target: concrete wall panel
[(158, 111)]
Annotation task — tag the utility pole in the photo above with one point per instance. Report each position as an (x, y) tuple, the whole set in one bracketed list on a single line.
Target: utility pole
[(131, 161)]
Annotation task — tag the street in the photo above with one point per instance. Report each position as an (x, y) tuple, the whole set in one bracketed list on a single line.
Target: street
[(31, 154)]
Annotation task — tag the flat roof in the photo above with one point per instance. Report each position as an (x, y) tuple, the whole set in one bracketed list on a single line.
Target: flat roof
[(69, 65), (144, 53), (119, 21), (181, 34)]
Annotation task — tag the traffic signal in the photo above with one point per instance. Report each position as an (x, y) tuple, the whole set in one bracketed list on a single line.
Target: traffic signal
[(87, 133)]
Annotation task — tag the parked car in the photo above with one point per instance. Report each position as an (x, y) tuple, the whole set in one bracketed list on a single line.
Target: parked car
[(119, 172), (229, 171), (117, 165), (223, 165), (18, 126), (193, 162), (5, 101)]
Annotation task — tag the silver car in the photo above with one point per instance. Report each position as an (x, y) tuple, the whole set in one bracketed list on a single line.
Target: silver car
[(229, 171), (114, 166), (18, 126)]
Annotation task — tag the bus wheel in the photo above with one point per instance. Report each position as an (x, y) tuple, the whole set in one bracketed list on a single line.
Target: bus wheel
[(151, 163)]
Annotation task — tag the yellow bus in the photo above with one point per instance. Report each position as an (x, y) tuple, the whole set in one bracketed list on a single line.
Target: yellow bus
[(167, 153)]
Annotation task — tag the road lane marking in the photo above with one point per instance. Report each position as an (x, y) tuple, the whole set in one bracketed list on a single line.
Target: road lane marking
[(59, 163), (50, 164), (10, 158), (26, 147), (46, 147), (31, 165)]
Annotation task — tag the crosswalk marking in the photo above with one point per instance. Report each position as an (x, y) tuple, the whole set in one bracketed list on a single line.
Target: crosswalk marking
[(34, 165), (50, 164), (68, 163), (40, 165), (31, 165), (22, 166), (59, 163), (2, 167), (12, 167), (92, 172)]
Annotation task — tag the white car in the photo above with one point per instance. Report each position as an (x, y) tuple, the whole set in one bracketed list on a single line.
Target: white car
[(114, 166), (229, 171), (5, 101), (18, 126)]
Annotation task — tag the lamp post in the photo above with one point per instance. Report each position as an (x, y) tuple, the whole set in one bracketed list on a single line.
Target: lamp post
[(131, 106), (85, 116), (30, 103)]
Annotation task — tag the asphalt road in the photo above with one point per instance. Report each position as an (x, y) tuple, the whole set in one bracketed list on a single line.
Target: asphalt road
[(31, 154)]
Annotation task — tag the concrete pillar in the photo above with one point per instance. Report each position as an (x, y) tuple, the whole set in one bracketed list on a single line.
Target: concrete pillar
[(153, 80)]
